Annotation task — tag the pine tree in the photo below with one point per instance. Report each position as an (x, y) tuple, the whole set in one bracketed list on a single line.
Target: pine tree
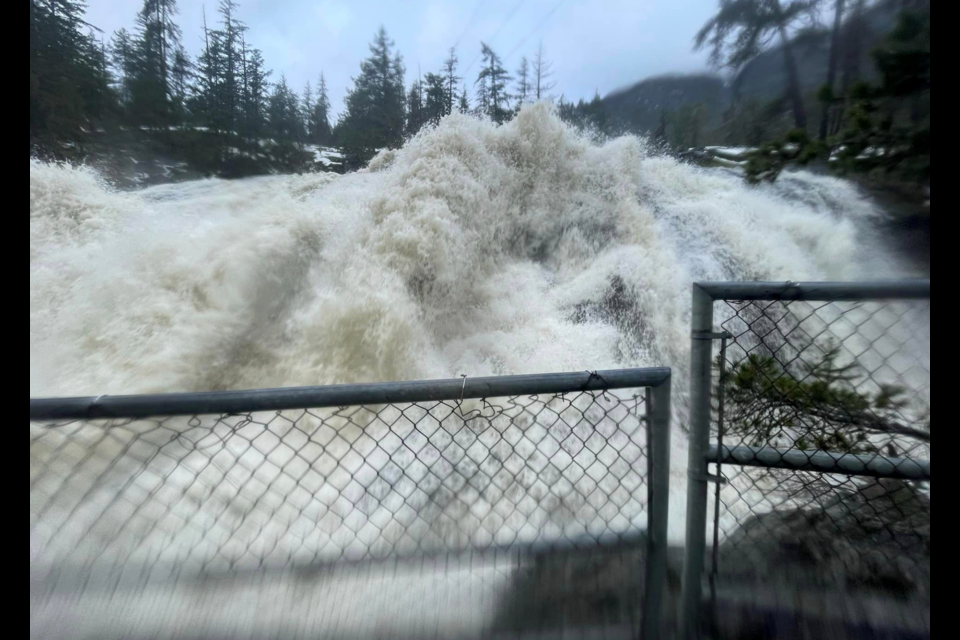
[(737, 33), (482, 98), (542, 72), (307, 111), (208, 97), (451, 78), (285, 122), (180, 74), (464, 106), (68, 75), (493, 79), (523, 82), (158, 40), (414, 109), (231, 90), (124, 63), (435, 98), (827, 92), (255, 105), (660, 134), (323, 134), (375, 116)]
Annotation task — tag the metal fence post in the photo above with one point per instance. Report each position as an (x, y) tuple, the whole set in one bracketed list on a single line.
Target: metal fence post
[(658, 486), (701, 355)]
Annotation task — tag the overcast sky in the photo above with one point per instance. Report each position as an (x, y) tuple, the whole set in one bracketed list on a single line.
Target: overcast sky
[(594, 44)]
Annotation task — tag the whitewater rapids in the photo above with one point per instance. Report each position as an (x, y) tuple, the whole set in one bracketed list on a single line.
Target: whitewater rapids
[(474, 249)]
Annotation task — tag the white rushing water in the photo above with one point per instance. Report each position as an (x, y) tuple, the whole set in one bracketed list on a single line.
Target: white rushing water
[(474, 249)]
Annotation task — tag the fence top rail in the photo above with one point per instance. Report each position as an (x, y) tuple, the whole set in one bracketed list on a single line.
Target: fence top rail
[(340, 395), (819, 291), (872, 465)]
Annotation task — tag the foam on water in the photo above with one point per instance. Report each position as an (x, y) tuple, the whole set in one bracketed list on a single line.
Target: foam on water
[(474, 249)]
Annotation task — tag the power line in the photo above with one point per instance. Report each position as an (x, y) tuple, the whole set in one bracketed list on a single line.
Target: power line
[(504, 23), (495, 34), (473, 17), (535, 29)]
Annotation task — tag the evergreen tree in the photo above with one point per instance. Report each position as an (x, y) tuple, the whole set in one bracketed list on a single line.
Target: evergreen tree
[(435, 98), (687, 126), (374, 117), (414, 109), (68, 75), (886, 131), (157, 43), (464, 106), (826, 93), (493, 78), (451, 78), (208, 100), (660, 134), (483, 97), (523, 82), (255, 105), (232, 53), (285, 122), (124, 63), (741, 28), (180, 74), (323, 134), (586, 116), (307, 111)]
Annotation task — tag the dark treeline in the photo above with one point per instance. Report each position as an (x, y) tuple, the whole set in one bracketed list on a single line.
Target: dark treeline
[(221, 110), (867, 108), (225, 111), (865, 101)]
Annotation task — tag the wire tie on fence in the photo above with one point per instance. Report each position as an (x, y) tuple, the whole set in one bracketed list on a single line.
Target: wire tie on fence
[(594, 374), (463, 386)]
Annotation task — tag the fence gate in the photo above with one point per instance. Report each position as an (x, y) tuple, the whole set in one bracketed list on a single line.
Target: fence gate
[(810, 435), (466, 507)]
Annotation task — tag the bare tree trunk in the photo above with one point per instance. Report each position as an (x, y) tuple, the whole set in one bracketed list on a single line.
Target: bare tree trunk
[(832, 65), (793, 78), (851, 51)]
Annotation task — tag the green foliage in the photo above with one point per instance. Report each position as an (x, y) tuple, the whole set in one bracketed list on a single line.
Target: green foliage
[(585, 116), (742, 29), (886, 128), (320, 130), (220, 112), (766, 163), (451, 78), (809, 406), (686, 126), (375, 111), (435, 98), (415, 118), (69, 79), (493, 79)]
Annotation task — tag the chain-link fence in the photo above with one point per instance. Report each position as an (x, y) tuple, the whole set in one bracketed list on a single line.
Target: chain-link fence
[(161, 490), (818, 415)]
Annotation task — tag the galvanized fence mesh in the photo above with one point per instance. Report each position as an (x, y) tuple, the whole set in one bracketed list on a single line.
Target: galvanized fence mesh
[(825, 387), (150, 499), (812, 455)]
